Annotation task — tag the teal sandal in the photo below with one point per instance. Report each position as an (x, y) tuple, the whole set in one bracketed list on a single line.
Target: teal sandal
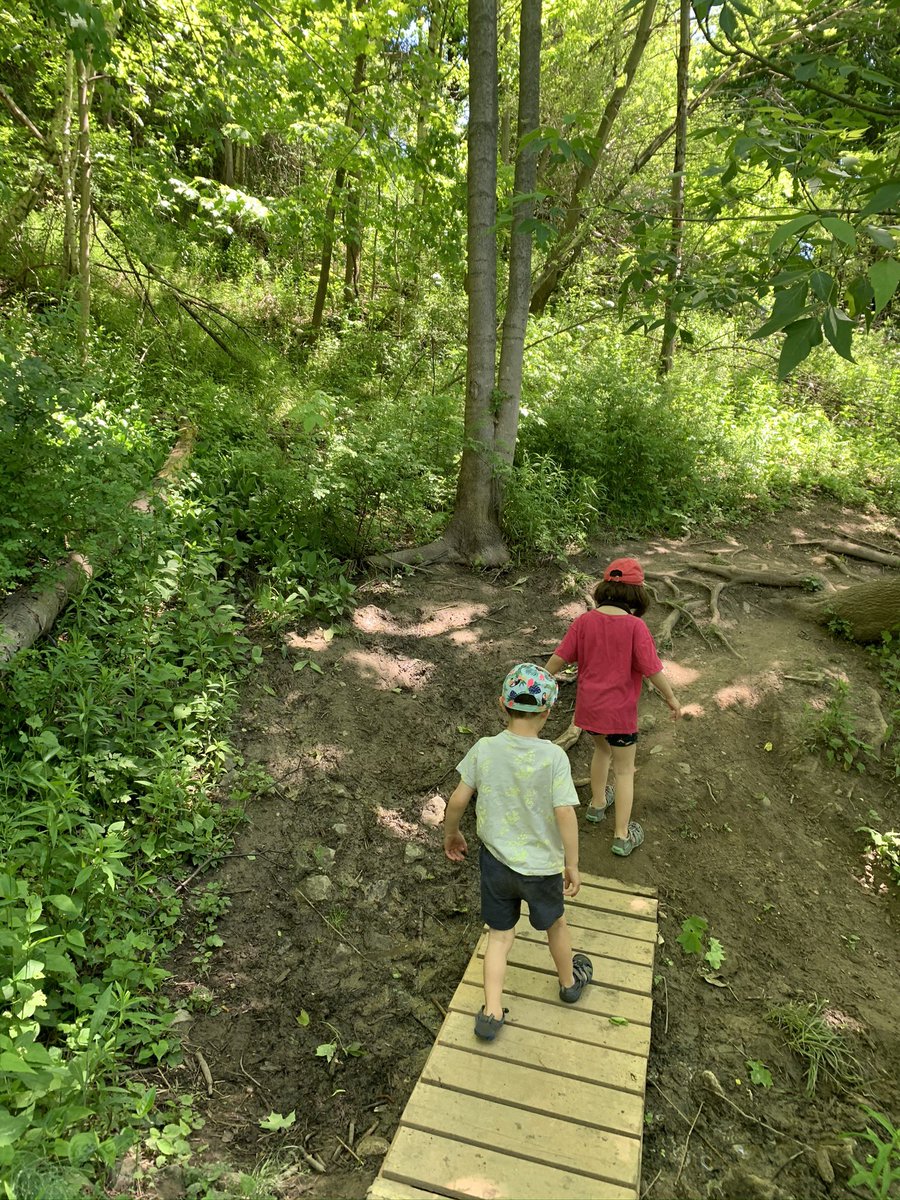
[(595, 814)]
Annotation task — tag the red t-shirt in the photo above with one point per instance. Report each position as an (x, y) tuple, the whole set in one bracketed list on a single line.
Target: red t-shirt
[(613, 653)]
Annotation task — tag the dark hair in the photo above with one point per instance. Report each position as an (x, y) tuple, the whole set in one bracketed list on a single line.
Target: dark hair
[(524, 698), (630, 596)]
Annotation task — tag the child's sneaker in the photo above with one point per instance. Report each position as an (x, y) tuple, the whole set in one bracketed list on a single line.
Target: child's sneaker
[(583, 970), (624, 846), (487, 1027), (597, 812)]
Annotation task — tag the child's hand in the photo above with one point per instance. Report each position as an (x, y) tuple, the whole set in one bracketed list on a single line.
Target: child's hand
[(455, 846), (571, 882), (674, 709)]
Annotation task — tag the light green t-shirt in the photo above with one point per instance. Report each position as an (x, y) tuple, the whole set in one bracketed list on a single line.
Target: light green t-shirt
[(520, 781)]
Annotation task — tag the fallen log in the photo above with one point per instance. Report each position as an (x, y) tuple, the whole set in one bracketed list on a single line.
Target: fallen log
[(853, 550), (27, 613)]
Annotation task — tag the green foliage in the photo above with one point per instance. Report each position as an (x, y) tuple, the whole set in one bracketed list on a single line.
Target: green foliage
[(880, 1173), (834, 731), (693, 939), (759, 1073), (817, 1041)]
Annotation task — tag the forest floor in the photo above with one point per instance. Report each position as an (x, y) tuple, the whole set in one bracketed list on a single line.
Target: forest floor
[(349, 929)]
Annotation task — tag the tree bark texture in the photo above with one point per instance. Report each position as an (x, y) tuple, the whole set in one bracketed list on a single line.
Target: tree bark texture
[(550, 276), (27, 613), (85, 215), (474, 530), (867, 610), (68, 173), (676, 206), (515, 319), (352, 120), (352, 215)]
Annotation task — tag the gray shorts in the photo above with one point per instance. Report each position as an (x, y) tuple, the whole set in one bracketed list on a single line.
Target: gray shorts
[(503, 890)]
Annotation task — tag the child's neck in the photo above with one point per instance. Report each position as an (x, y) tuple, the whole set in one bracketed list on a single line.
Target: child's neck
[(525, 727)]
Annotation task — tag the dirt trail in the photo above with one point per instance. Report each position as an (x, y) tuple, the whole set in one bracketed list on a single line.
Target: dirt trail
[(346, 915)]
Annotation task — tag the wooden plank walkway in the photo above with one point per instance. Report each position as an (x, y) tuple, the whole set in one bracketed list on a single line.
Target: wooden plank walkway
[(555, 1106)]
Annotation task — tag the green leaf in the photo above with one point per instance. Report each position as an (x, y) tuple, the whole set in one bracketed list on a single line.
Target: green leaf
[(181, 712), (822, 285), (303, 1017), (691, 937), (11, 1127), (886, 197), (759, 1073), (619, 1021), (66, 905), (881, 237), (327, 1050), (799, 341), (715, 955), (839, 229), (859, 295), (788, 306), (884, 277), (728, 23), (276, 1121), (788, 230), (838, 329)]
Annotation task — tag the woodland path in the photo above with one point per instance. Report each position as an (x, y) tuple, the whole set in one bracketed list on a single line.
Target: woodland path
[(348, 928)]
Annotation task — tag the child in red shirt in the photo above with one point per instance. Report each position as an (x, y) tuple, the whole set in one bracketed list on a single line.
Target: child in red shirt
[(614, 650)]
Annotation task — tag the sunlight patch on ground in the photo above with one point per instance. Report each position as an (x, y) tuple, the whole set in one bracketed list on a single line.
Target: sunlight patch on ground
[(693, 710), (748, 692), (568, 612), (372, 619), (316, 640), (679, 675), (464, 637), (388, 672), (398, 827)]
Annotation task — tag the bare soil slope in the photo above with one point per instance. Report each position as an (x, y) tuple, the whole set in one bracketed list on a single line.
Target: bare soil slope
[(348, 928)]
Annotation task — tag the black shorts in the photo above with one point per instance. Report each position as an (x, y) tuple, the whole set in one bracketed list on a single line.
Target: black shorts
[(615, 739), (503, 890)]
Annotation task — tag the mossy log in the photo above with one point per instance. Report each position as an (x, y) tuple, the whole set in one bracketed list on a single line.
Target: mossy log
[(865, 611)]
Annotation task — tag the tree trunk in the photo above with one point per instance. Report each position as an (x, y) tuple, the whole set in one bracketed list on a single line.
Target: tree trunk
[(474, 530), (550, 276), (353, 120), (515, 320), (425, 98), (21, 207), (676, 240), (864, 610), (352, 221), (67, 173), (85, 215), (30, 611)]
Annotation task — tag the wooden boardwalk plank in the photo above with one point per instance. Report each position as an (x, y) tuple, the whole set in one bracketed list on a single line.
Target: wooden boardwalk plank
[(554, 1106), (468, 1170), (559, 1020)]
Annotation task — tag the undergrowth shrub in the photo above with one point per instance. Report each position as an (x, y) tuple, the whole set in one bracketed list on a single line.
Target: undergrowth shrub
[(112, 740)]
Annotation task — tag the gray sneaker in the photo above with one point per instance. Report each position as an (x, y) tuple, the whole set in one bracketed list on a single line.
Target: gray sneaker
[(487, 1027), (597, 812), (624, 846), (583, 970)]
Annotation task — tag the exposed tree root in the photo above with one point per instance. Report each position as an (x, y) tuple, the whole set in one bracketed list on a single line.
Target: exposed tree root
[(568, 739), (853, 550)]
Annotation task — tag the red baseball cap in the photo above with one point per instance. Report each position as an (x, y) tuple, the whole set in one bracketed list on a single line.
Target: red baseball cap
[(624, 570)]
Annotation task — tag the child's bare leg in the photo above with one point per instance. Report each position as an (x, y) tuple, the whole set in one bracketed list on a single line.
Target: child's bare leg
[(623, 764), (600, 771), (561, 948), (499, 945)]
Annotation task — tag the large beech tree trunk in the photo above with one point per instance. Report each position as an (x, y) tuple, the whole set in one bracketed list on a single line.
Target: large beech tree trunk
[(865, 610), (474, 530)]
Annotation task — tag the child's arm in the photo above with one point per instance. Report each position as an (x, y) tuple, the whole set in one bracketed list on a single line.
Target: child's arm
[(662, 685), (554, 663), (567, 823), (455, 846)]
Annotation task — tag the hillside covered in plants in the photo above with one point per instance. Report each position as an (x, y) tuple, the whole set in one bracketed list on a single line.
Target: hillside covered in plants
[(341, 345)]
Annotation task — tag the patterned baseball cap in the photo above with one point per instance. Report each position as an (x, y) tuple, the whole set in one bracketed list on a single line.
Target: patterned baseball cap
[(624, 570), (529, 688)]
